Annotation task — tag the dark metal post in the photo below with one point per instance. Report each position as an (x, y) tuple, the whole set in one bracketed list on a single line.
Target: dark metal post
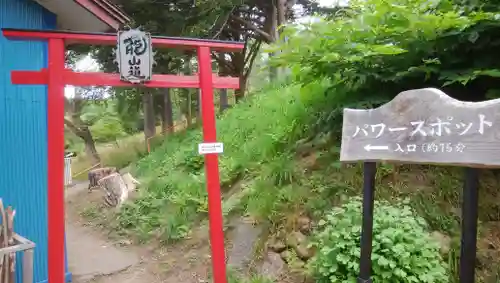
[(469, 226), (369, 171)]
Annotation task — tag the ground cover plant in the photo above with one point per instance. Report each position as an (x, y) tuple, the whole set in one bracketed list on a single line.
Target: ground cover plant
[(403, 252)]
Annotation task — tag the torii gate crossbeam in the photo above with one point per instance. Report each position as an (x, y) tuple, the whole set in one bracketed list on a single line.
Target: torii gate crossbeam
[(56, 77)]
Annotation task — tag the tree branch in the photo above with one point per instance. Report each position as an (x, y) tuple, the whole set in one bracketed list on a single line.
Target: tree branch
[(72, 127), (222, 61), (266, 37), (224, 24), (254, 50)]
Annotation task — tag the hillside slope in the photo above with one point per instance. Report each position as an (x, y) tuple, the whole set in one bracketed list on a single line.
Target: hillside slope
[(257, 135), (278, 168)]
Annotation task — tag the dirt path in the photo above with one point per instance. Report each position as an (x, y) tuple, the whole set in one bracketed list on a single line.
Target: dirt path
[(90, 256), (93, 257)]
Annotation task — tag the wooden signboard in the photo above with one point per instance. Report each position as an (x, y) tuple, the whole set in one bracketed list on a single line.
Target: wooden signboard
[(424, 126)]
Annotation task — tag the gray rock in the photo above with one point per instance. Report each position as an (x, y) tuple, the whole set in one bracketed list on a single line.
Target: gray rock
[(273, 266), (276, 246), (286, 256), (243, 238), (303, 252), (304, 224), (298, 264), (294, 239)]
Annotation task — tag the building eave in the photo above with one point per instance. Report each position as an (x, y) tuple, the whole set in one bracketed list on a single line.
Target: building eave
[(86, 15), (105, 11)]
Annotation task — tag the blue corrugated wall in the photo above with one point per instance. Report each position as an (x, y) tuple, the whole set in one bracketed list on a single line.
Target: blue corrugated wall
[(23, 129)]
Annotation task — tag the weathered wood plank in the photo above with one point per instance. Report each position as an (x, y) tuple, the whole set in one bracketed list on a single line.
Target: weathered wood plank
[(21, 244), (424, 126), (28, 266)]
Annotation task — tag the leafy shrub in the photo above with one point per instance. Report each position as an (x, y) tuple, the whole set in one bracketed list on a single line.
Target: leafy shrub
[(374, 49), (108, 128), (402, 249), (383, 41)]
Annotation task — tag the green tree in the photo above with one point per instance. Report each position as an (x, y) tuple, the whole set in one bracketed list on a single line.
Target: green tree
[(250, 21), (81, 110), (79, 124), (108, 128), (377, 48)]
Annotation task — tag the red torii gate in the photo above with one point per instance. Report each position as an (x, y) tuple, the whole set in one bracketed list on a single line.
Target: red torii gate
[(56, 77)]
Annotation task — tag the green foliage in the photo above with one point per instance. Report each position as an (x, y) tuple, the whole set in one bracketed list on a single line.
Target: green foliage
[(254, 133), (128, 108), (108, 128), (379, 41), (259, 137), (361, 58), (92, 111), (100, 115), (402, 248), (377, 48)]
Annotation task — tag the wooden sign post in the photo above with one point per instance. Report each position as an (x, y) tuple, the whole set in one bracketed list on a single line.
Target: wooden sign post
[(424, 126)]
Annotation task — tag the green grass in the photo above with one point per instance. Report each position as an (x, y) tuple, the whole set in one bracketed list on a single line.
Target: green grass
[(120, 154), (256, 136), (234, 278)]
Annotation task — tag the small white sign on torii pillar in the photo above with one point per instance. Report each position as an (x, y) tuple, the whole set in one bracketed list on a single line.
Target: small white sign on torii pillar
[(208, 148)]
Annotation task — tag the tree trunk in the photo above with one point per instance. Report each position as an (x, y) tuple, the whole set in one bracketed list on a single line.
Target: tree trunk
[(76, 125), (89, 143), (224, 104), (95, 175), (273, 71), (223, 71), (84, 133), (239, 93), (149, 115), (189, 114), (281, 10), (198, 107), (168, 116), (281, 15), (189, 104)]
